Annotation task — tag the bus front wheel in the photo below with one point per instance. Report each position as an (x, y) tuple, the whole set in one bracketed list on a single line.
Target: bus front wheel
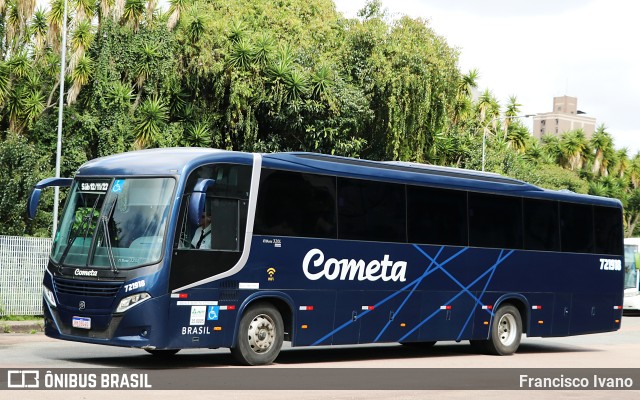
[(260, 335), (505, 334)]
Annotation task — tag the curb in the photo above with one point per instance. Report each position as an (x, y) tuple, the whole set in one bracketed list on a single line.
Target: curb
[(34, 326)]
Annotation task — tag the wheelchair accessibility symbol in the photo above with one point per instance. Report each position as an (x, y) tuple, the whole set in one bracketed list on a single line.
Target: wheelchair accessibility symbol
[(117, 186), (212, 313)]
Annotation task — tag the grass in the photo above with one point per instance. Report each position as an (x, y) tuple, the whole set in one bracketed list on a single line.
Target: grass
[(20, 317)]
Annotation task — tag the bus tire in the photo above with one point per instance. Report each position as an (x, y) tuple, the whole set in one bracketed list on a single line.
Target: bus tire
[(506, 331), (260, 335)]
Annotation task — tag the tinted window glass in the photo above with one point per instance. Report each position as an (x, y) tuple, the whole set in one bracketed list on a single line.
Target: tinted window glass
[(576, 228), (541, 229), (296, 204), (372, 211), (608, 230), (437, 216), (495, 221)]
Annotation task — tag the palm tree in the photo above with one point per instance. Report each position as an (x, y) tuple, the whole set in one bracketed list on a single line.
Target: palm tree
[(517, 137), (196, 27), (574, 147), (512, 111), (634, 171), (264, 48), (296, 85), (80, 76), (602, 143), (32, 106), (175, 8), (38, 29), (12, 26), (55, 18), (468, 83), (151, 116), (118, 9), (199, 135), (144, 67), (622, 162), (241, 54), (85, 9), (81, 38), (24, 10), (5, 82), (133, 12), (106, 7)]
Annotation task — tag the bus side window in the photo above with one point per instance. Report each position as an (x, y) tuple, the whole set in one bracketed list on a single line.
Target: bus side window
[(541, 229)]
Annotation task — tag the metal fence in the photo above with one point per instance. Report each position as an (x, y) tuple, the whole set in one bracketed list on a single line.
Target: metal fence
[(22, 264)]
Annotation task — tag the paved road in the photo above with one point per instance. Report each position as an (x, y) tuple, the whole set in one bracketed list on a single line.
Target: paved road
[(611, 350)]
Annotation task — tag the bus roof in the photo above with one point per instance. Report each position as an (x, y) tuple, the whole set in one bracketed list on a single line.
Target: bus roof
[(432, 175), (178, 161)]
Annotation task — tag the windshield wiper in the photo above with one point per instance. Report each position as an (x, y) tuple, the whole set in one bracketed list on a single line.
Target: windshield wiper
[(87, 221), (107, 237)]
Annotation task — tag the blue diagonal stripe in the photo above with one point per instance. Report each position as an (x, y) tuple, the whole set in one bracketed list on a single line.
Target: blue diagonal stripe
[(451, 300), (409, 285)]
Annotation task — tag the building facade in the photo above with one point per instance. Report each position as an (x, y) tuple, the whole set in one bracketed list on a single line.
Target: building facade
[(564, 117)]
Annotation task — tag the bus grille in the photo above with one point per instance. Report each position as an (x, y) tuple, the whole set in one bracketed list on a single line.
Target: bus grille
[(86, 288)]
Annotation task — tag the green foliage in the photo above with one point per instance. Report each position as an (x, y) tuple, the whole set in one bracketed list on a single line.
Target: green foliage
[(259, 75), (21, 169)]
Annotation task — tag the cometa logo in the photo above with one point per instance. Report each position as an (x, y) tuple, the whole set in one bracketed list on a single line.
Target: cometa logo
[(79, 272), (315, 267)]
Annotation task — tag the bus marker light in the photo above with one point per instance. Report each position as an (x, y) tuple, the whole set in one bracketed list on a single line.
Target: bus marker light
[(486, 322), (304, 326), (183, 296), (217, 328), (617, 307), (306, 308), (487, 307), (540, 322), (368, 308), (536, 307), (403, 324), (617, 321), (445, 307)]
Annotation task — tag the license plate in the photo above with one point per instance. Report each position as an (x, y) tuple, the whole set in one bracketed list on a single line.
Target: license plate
[(81, 322)]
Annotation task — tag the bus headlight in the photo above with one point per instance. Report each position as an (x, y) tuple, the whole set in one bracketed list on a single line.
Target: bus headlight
[(131, 301), (48, 296)]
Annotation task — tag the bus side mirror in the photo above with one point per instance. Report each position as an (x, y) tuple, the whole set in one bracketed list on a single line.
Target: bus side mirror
[(36, 192), (197, 200)]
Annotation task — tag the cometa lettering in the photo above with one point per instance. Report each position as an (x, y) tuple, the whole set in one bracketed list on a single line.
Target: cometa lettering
[(79, 272), (315, 267)]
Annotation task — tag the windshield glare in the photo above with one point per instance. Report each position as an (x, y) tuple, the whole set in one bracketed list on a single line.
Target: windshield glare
[(136, 212)]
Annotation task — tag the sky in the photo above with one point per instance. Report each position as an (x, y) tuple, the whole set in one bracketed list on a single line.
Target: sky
[(540, 49)]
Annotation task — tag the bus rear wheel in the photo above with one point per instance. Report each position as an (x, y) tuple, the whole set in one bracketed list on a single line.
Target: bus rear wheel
[(505, 333), (260, 335)]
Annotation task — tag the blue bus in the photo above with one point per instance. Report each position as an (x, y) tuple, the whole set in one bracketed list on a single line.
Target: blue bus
[(170, 249)]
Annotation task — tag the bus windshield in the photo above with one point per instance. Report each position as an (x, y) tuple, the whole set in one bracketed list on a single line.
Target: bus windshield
[(630, 271), (117, 224)]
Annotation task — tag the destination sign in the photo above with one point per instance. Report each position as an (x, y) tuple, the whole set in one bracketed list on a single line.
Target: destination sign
[(94, 186)]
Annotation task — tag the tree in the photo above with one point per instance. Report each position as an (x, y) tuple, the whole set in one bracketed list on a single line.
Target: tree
[(151, 117), (512, 111), (574, 148), (602, 143)]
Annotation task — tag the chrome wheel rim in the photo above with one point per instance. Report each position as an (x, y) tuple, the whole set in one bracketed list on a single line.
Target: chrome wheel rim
[(261, 334), (507, 329)]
